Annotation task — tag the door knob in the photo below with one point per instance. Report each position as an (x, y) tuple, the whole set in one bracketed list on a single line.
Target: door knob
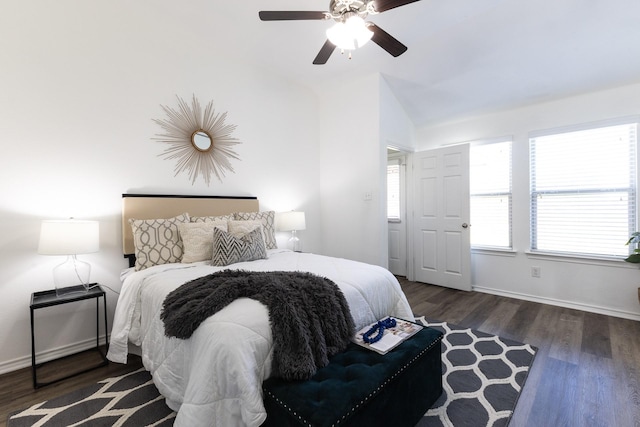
[(465, 225)]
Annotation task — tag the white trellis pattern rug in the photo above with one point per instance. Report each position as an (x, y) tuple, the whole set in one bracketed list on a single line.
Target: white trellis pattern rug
[(483, 376)]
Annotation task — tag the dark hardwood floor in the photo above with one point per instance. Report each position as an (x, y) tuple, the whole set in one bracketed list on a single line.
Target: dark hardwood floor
[(586, 371), (17, 392)]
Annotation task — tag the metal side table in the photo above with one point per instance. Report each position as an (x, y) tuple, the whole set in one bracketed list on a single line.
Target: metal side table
[(49, 298)]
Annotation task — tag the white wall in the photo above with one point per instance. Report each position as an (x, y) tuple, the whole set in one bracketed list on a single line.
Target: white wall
[(607, 287), (359, 119), (396, 129), (350, 161), (78, 98)]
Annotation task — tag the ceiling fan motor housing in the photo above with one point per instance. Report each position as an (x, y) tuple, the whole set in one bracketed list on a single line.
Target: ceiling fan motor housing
[(341, 10)]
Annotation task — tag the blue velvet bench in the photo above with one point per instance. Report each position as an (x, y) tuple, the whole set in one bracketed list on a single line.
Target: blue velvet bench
[(360, 387)]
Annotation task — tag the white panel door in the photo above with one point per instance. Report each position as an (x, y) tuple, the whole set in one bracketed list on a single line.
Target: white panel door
[(442, 250)]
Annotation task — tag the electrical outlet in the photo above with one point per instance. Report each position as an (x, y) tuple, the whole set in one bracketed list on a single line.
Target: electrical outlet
[(535, 272)]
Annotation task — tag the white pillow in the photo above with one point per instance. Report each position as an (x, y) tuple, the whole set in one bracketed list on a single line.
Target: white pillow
[(197, 239), (241, 228)]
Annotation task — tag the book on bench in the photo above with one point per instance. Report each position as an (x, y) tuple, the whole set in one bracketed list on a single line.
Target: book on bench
[(392, 337)]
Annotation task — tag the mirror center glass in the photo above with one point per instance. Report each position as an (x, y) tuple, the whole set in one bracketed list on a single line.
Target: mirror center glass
[(201, 140)]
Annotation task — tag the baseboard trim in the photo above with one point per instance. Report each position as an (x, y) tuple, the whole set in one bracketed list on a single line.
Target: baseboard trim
[(51, 354), (560, 303)]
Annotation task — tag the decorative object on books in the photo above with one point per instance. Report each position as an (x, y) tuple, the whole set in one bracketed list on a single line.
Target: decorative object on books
[(378, 327), (469, 359), (199, 140), (391, 332)]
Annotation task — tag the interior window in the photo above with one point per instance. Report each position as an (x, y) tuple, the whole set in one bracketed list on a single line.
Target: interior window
[(393, 190), (490, 191), (583, 189)]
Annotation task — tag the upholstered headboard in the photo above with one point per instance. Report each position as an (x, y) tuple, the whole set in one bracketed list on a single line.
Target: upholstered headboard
[(150, 206)]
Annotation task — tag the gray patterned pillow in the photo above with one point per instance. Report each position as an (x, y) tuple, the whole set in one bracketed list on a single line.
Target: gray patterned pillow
[(157, 241), (267, 218), (228, 249)]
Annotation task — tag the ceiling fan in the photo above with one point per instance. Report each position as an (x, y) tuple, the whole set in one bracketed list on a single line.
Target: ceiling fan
[(350, 30)]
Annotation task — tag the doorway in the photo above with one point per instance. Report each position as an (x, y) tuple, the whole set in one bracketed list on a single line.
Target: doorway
[(397, 211)]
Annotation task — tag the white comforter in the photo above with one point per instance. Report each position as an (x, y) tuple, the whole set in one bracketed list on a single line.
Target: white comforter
[(215, 377)]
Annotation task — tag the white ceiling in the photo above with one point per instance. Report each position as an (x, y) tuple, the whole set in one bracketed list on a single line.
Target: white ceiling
[(465, 57)]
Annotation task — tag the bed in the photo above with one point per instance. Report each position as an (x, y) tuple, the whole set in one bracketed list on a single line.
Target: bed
[(215, 377)]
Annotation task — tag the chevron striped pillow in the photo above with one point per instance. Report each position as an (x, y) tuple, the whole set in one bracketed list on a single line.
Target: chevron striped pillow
[(228, 249)]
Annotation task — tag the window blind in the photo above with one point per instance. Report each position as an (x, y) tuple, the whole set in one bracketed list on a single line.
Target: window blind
[(583, 189), (393, 189), (490, 191)]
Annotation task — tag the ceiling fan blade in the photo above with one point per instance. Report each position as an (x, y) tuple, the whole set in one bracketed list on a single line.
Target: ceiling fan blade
[(290, 15), (382, 5), (324, 54), (386, 41)]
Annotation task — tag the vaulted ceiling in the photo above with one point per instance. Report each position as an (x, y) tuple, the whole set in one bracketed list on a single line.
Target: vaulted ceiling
[(465, 57)]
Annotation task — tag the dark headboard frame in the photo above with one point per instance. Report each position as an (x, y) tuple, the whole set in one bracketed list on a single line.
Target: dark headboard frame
[(150, 206)]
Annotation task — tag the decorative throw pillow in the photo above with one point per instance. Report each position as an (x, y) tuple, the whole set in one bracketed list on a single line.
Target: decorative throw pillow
[(197, 239), (240, 228), (228, 249), (157, 241), (268, 219), (211, 218)]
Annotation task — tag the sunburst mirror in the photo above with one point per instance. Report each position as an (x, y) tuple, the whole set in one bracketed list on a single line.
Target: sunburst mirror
[(198, 139)]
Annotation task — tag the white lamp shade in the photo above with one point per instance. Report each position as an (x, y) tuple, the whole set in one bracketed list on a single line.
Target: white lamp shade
[(69, 237), (291, 221)]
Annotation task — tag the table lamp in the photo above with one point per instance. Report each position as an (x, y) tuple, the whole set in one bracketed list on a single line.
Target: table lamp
[(70, 237), (292, 221)]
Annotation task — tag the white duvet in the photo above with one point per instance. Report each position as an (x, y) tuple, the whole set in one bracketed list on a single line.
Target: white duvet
[(214, 378)]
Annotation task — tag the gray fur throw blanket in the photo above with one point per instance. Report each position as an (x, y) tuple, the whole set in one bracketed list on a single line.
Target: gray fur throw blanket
[(309, 316)]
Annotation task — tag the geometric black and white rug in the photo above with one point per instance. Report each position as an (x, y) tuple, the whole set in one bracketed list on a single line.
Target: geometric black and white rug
[(130, 400), (483, 376)]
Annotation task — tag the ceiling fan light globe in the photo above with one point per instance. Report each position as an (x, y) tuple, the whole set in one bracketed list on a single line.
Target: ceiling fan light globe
[(349, 35), (338, 35)]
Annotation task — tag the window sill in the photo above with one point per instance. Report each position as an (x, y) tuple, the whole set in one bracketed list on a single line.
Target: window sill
[(608, 261), (494, 251)]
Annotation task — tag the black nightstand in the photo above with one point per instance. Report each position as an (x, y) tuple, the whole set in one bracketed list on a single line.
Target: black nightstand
[(75, 293)]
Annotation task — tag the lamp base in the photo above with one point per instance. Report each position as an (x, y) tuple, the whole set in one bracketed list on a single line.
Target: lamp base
[(72, 276), (294, 242)]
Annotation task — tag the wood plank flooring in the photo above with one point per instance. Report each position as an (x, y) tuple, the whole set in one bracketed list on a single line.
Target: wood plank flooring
[(586, 372), (16, 388)]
